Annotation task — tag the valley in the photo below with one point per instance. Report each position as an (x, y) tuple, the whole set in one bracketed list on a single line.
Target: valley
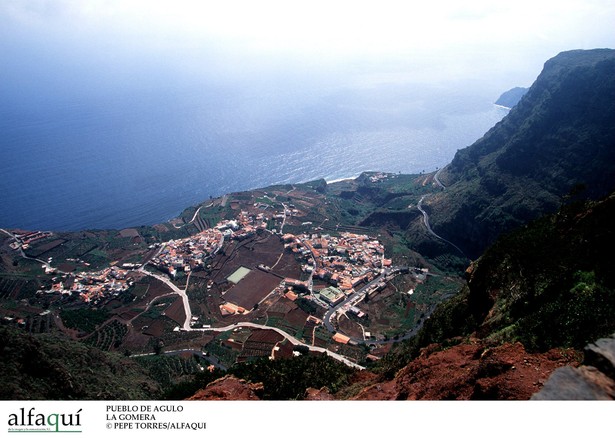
[(280, 259)]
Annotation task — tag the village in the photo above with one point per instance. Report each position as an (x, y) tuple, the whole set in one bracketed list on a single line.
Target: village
[(268, 260), (93, 287), (342, 263), (331, 268)]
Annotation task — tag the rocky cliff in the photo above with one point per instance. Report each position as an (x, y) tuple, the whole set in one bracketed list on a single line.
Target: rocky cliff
[(558, 141)]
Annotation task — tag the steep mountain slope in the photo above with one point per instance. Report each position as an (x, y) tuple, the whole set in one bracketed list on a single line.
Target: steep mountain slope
[(548, 285), (558, 140), (49, 367)]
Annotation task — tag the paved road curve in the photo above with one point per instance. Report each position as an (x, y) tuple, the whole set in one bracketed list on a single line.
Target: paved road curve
[(178, 291), (436, 178), (428, 227), (292, 340)]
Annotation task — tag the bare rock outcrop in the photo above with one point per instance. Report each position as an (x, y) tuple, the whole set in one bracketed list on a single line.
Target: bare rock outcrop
[(229, 388), (318, 394), (593, 380), (472, 371)]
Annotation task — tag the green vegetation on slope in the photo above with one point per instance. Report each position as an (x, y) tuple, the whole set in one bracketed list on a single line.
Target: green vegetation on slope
[(552, 283), (549, 284), (85, 320), (49, 367), (559, 137), (288, 379)]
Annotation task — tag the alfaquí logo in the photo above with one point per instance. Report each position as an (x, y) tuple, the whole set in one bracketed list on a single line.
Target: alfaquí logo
[(32, 421)]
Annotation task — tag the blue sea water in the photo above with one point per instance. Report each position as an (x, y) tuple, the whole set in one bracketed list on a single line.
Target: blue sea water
[(141, 157)]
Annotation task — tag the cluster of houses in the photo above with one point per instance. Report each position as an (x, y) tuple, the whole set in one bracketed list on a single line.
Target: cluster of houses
[(346, 261), (380, 176), (192, 252), (24, 240), (189, 253), (93, 287)]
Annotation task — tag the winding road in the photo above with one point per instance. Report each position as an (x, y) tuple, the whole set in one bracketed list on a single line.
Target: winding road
[(436, 178), (291, 339), (22, 253), (430, 231), (178, 291)]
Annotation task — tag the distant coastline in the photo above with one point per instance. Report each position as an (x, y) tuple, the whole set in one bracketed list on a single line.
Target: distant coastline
[(101, 177)]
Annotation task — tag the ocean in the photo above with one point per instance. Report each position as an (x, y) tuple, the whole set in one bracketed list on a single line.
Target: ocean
[(140, 157)]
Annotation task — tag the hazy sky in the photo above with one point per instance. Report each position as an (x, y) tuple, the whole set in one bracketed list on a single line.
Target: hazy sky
[(65, 43)]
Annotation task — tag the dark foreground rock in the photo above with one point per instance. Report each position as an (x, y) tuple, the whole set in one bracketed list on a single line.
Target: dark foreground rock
[(594, 380)]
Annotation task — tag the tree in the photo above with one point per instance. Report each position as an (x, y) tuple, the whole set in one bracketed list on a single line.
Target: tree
[(158, 347)]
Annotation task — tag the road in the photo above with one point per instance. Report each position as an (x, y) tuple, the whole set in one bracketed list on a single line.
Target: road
[(290, 338), (197, 212), (436, 178), (283, 220), (23, 254), (428, 227), (188, 328), (358, 296), (352, 298), (178, 291)]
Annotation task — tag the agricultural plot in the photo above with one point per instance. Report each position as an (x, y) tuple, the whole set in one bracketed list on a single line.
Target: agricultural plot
[(40, 323), (176, 312), (322, 337), (350, 327), (154, 321), (225, 355), (84, 320), (44, 246), (390, 312), (166, 369), (109, 337), (259, 344), (252, 289), (10, 287)]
